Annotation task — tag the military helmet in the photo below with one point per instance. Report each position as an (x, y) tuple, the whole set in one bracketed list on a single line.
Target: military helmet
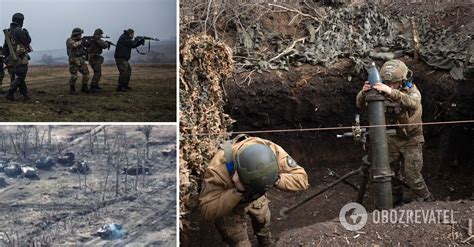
[(77, 31), (18, 18), (394, 71), (98, 31), (130, 31), (257, 167)]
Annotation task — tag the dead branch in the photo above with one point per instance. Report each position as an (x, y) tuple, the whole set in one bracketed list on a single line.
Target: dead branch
[(288, 49), (294, 10), (416, 39)]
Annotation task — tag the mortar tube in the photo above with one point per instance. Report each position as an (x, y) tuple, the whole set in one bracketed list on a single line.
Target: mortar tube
[(381, 172)]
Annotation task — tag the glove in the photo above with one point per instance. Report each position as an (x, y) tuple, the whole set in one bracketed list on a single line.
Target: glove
[(141, 42)]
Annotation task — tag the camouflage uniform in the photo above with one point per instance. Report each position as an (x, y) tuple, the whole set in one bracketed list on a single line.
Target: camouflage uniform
[(404, 107), (220, 200), (77, 62), (95, 59), (20, 39)]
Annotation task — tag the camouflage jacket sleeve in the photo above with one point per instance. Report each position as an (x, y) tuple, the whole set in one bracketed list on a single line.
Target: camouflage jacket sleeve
[(410, 99), (102, 44), (73, 44), (218, 195), (292, 176), (360, 99)]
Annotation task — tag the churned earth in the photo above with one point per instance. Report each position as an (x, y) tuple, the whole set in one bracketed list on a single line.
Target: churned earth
[(64, 208)]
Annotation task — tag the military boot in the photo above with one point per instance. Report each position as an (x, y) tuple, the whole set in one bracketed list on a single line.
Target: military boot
[(26, 97), (95, 88), (10, 96), (72, 90), (429, 198), (120, 88), (265, 241), (84, 88)]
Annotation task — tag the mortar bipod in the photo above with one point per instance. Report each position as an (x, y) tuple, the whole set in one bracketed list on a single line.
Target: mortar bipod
[(365, 167)]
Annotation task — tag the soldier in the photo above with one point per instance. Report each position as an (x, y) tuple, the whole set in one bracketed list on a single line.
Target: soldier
[(122, 55), (20, 40), (403, 106), (77, 61), (95, 59), (235, 183)]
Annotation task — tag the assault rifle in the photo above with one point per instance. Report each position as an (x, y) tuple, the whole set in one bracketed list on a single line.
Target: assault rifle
[(149, 40), (14, 60), (87, 40)]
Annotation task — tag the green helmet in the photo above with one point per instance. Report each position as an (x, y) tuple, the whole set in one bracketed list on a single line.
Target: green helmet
[(394, 71), (257, 167), (77, 31), (98, 31)]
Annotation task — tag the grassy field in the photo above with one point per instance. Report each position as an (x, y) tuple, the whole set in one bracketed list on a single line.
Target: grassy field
[(153, 98)]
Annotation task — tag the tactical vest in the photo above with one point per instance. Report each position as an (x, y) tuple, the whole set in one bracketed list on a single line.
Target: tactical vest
[(396, 113), (94, 48), (20, 49), (75, 52)]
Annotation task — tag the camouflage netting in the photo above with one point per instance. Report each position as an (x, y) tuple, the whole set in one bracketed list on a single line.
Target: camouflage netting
[(445, 49), (350, 32), (320, 36), (205, 66)]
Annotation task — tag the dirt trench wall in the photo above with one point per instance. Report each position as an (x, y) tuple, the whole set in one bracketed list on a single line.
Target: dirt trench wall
[(307, 97)]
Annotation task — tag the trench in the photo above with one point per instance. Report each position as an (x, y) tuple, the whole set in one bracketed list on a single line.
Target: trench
[(305, 97)]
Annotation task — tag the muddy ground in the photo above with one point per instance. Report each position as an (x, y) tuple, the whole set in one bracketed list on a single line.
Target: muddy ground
[(152, 98), (63, 208)]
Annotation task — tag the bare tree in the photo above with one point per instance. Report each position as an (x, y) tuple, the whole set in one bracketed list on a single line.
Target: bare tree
[(50, 129), (47, 59), (105, 137), (146, 130), (37, 139), (20, 141), (91, 140)]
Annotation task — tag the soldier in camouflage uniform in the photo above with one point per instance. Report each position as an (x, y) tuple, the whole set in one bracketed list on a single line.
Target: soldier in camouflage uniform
[(21, 40), (235, 183), (403, 106), (77, 61), (95, 59)]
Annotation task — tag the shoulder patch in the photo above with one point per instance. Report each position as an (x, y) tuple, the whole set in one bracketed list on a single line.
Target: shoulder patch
[(415, 95), (291, 162)]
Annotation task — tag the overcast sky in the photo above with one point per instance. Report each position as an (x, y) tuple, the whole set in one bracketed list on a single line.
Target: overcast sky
[(50, 22)]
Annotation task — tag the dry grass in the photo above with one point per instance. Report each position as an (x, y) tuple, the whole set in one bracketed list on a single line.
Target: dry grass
[(153, 98)]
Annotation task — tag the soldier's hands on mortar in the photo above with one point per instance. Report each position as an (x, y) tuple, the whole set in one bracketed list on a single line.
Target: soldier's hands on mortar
[(238, 185), (366, 86), (380, 87)]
